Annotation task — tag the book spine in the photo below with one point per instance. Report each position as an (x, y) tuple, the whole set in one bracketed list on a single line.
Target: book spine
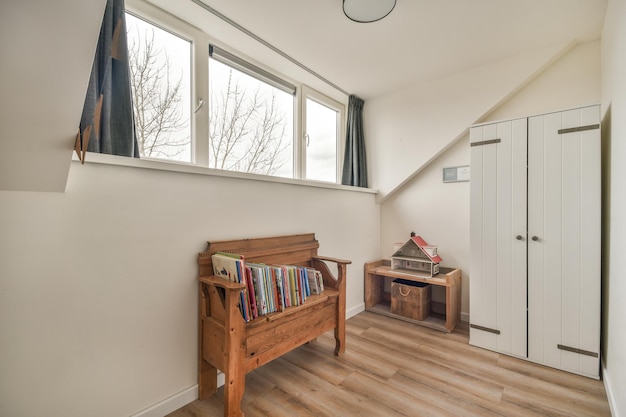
[(258, 287), (294, 287), (267, 279), (254, 313), (286, 286), (280, 288)]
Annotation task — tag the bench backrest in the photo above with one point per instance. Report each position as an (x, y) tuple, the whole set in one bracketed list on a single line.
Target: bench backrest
[(279, 250)]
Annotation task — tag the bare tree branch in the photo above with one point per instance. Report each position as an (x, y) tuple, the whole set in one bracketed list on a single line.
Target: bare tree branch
[(157, 98), (247, 133)]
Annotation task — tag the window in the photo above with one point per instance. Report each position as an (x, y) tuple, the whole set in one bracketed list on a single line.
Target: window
[(321, 139), (201, 104), (160, 75), (250, 118)]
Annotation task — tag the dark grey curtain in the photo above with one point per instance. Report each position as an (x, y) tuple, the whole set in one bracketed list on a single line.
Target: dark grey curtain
[(354, 161), (111, 121)]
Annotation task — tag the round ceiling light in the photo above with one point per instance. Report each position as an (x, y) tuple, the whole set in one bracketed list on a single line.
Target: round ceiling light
[(366, 11)]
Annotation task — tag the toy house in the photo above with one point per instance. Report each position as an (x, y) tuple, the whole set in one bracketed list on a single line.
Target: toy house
[(417, 255)]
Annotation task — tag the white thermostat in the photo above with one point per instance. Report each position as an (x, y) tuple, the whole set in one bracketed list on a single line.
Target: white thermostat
[(456, 174)]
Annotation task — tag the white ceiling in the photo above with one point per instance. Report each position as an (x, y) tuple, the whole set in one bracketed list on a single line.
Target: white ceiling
[(420, 40)]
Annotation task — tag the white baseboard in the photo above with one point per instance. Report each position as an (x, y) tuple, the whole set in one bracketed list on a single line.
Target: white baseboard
[(465, 317), (355, 310), (606, 378), (171, 404)]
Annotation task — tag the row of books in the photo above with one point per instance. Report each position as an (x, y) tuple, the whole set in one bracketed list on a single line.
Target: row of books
[(269, 288)]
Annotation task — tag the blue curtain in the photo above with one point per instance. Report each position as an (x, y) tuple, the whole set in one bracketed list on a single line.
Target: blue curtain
[(354, 161), (107, 124)]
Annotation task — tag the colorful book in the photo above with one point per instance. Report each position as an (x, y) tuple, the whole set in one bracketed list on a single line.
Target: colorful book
[(258, 280), (293, 282), (227, 266), (320, 280), (312, 281), (285, 287), (300, 289), (231, 267), (269, 291), (278, 286), (254, 312)]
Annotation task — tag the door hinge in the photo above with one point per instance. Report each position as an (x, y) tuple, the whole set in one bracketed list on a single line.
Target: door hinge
[(485, 329), (578, 129), (486, 142), (579, 351)]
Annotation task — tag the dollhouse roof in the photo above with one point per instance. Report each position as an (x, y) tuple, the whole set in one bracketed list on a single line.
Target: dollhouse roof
[(421, 243), (424, 247)]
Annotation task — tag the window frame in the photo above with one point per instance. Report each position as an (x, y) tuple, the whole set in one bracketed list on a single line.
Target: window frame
[(252, 69), (199, 115), (324, 100)]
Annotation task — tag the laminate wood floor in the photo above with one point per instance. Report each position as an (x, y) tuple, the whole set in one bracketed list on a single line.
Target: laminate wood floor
[(393, 368)]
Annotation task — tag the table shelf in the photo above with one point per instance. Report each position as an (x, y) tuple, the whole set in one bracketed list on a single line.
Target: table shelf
[(443, 316)]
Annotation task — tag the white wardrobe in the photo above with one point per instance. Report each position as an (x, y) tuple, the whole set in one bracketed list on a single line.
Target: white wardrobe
[(535, 239)]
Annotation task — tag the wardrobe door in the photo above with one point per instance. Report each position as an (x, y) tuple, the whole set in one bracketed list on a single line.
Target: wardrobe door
[(564, 240), (498, 237)]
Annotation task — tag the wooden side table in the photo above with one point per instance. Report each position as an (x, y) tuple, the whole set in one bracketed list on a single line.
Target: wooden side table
[(442, 317)]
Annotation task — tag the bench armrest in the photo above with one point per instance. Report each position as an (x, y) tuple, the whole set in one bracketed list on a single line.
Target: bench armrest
[(218, 304), (335, 260), (222, 283), (338, 282)]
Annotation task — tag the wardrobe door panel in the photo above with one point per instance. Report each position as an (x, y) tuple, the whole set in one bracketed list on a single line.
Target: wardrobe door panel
[(511, 243), (498, 266), (551, 241), (477, 302), (536, 266), (519, 285), (571, 254), (590, 235), (483, 289), (563, 260), (581, 283)]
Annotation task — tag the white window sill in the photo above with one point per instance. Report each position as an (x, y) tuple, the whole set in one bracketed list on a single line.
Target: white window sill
[(182, 167)]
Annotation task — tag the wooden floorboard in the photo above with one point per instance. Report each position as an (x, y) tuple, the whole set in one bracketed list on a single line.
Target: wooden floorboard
[(392, 368)]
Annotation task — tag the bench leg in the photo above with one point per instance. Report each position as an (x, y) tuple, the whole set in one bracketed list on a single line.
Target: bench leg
[(340, 328), (207, 380), (234, 388), (235, 382), (340, 338)]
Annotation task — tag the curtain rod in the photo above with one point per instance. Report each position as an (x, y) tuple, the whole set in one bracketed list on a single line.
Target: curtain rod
[(267, 44)]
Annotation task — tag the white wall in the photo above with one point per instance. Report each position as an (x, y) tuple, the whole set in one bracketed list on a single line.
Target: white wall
[(614, 204), (406, 130), (572, 81), (98, 292), (438, 211)]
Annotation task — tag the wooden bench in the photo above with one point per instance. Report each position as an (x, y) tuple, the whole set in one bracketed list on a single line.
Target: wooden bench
[(229, 344)]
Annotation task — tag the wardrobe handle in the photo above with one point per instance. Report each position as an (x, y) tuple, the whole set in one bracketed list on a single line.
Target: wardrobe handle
[(519, 237), (535, 238)]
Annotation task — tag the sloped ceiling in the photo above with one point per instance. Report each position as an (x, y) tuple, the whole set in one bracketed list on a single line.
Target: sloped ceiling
[(419, 123), (47, 51)]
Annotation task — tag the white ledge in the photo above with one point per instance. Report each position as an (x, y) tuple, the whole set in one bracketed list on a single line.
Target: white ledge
[(187, 168)]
